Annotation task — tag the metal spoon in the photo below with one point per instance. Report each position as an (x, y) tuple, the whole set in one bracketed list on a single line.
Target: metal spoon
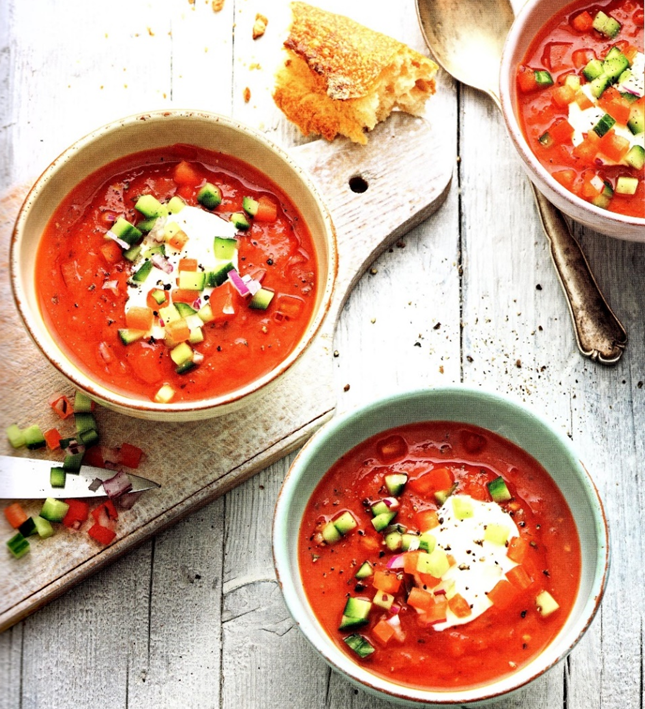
[(467, 38)]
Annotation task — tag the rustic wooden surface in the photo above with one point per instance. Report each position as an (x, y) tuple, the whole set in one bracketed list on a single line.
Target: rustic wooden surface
[(194, 615)]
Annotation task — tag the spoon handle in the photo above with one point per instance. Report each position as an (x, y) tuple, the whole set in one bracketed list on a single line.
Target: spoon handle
[(599, 333)]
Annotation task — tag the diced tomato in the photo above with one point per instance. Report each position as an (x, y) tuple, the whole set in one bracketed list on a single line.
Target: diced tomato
[(152, 303), (587, 150), (383, 632), (459, 606), (561, 131), (563, 95), (389, 449), (565, 177), (502, 594), (77, 513), (639, 17), (291, 307), (556, 56), (52, 437), (178, 330), (517, 548), (369, 543), (104, 513), (519, 577), (129, 455), (386, 581), (187, 264), (184, 295), (70, 273), (178, 240), (433, 481), (267, 210), (526, 79), (592, 184), (222, 302), (437, 612), (582, 22), (427, 580), (420, 599), (582, 57), (111, 251), (186, 192), (138, 318), (15, 514), (614, 146), (61, 405), (94, 456), (583, 101), (410, 560), (102, 535), (615, 105), (185, 174), (427, 520), (111, 509)]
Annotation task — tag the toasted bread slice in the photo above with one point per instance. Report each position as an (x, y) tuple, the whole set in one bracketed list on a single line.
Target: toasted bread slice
[(340, 77)]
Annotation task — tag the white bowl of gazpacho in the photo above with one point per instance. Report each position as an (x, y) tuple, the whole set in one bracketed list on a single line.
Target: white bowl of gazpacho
[(572, 94), (173, 265), (441, 546)]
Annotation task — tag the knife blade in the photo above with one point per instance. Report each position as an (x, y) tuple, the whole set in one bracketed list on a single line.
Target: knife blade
[(28, 479)]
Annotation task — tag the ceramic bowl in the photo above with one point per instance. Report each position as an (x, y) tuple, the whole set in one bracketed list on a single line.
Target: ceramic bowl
[(143, 132), (499, 414), (530, 20)]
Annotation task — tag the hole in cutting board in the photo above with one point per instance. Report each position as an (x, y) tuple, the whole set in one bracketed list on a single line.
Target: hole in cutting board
[(358, 184)]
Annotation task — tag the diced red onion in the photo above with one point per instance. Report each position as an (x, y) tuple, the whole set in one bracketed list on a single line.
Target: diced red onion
[(162, 263), (104, 351), (198, 357), (95, 484), (128, 499), (111, 285), (391, 502), (396, 562), (117, 485), (120, 242), (395, 610), (239, 285)]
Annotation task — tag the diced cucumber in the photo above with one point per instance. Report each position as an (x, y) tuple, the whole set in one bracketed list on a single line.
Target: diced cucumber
[(128, 335), (28, 527), (379, 508), (16, 436), (158, 295), (72, 462), (262, 299), (185, 367), (636, 121), (205, 313), (149, 206), (592, 70), (546, 604), (219, 274), (146, 225), (169, 313), (239, 220), (33, 437), (250, 206), (442, 495), (57, 477), (182, 353), (132, 253), (462, 507), (543, 78), (356, 613), (499, 490), (427, 542), (604, 125), (89, 438), (383, 600), (599, 84), (165, 394), (175, 205), (192, 280), (365, 571), (330, 534), (210, 196), (18, 545), (360, 645), (185, 310), (196, 335), (82, 403), (615, 63), (140, 275), (395, 482), (606, 25), (409, 542), (85, 421), (224, 248), (496, 533), (345, 523), (636, 157), (43, 527), (54, 510), (604, 198), (125, 231), (434, 563), (546, 140), (626, 185), (394, 541), (381, 521), (572, 81)]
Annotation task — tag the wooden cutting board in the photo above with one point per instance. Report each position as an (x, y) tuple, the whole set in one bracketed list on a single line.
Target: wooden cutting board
[(407, 171)]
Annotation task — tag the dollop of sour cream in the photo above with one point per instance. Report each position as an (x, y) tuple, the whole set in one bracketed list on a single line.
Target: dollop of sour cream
[(480, 563)]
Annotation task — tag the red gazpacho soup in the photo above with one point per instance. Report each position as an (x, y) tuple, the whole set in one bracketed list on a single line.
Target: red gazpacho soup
[(581, 102), (439, 555), (177, 274)]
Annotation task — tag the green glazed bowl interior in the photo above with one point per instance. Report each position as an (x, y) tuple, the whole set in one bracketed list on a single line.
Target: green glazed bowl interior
[(474, 406)]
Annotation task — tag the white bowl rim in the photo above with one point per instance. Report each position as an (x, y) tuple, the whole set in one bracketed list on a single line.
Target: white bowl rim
[(506, 90), (173, 410), (343, 664)]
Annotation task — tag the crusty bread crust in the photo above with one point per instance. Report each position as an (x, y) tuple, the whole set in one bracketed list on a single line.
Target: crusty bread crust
[(340, 77)]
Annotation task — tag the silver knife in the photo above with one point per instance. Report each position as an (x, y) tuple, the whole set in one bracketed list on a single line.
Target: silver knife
[(28, 479)]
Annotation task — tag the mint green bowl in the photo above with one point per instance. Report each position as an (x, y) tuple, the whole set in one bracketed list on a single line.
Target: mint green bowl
[(507, 418)]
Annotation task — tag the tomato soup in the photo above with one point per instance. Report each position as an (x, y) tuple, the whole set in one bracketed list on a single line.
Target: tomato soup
[(439, 555), (581, 104), (177, 274)]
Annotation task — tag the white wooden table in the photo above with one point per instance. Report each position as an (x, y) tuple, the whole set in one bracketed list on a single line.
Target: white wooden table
[(194, 617)]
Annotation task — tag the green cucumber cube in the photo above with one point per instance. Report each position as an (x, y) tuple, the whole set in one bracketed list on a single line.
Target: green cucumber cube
[(345, 523), (496, 533), (395, 483), (434, 563), (365, 571), (16, 436), (57, 477), (54, 510), (498, 490), (33, 437), (149, 206), (210, 196), (360, 645)]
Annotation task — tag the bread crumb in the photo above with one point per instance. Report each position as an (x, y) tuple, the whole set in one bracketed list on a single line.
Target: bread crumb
[(259, 26), (247, 94), (254, 65), (150, 32), (217, 5)]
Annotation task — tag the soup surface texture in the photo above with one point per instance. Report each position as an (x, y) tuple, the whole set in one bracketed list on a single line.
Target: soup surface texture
[(581, 105), (177, 274), (439, 555)]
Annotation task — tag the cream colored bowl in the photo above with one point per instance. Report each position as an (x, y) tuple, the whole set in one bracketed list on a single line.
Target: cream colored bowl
[(145, 132), (533, 16)]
